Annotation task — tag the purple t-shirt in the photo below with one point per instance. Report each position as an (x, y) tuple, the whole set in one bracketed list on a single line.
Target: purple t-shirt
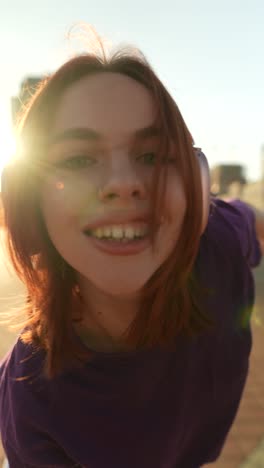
[(145, 409)]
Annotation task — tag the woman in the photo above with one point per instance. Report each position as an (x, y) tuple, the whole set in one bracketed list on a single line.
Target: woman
[(136, 346)]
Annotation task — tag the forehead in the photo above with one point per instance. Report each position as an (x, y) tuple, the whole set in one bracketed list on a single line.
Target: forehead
[(109, 103)]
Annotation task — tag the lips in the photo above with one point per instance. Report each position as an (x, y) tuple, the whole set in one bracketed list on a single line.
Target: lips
[(118, 247), (113, 247)]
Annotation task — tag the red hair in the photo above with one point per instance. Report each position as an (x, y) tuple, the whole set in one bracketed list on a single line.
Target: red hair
[(171, 299)]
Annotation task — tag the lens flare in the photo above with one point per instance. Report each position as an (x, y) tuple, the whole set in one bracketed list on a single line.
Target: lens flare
[(59, 185)]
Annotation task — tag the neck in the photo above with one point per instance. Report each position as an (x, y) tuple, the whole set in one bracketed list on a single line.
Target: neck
[(105, 318)]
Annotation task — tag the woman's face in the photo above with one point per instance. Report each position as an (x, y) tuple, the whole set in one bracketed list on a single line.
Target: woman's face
[(95, 199)]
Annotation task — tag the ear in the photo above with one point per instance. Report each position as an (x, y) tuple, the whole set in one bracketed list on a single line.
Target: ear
[(205, 180)]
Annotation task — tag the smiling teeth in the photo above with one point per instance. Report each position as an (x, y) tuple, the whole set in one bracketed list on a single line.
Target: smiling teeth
[(120, 232)]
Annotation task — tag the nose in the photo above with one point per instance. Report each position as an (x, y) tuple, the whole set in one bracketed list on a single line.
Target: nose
[(124, 183)]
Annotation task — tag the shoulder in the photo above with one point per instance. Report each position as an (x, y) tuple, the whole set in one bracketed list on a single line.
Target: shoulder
[(21, 361), (231, 230), (20, 411), (27, 403), (21, 367)]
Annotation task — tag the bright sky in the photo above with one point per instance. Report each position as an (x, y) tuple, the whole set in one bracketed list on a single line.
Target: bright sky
[(208, 53)]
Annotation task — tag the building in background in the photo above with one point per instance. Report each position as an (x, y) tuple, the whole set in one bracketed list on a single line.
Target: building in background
[(226, 177), (229, 181)]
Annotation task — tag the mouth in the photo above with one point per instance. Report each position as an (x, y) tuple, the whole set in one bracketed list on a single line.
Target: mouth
[(123, 233), (120, 239)]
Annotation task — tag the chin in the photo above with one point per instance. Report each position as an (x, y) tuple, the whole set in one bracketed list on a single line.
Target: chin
[(116, 284), (122, 291)]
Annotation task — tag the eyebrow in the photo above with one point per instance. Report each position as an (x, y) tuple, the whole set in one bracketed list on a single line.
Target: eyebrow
[(89, 134)]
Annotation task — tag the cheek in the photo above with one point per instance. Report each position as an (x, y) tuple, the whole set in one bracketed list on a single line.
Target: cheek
[(175, 200), (65, 199), (174, 209)]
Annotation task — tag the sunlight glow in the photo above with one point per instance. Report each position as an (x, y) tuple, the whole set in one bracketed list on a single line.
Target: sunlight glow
[(8, 148), (7, 140)]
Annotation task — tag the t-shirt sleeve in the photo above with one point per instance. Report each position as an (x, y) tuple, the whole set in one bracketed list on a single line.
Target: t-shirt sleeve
[(23, 428), (242, 219)]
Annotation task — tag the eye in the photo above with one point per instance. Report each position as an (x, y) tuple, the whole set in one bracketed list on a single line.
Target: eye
[(78, 161), (148, 158)]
